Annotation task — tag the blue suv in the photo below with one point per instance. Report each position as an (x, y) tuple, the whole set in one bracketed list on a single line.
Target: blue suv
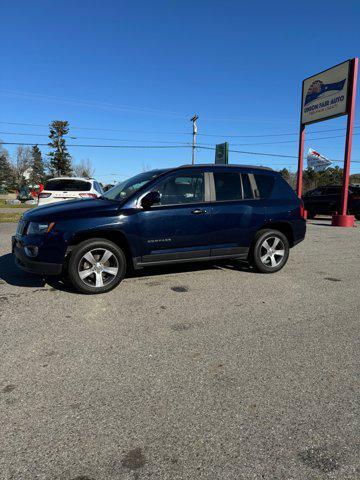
[(185, 214)]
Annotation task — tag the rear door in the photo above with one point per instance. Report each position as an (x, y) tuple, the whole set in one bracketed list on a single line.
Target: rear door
[(317, 200), (237, 211), (333, 199)]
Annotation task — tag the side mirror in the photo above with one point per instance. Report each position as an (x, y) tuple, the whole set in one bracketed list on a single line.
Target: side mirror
[(150, 199)]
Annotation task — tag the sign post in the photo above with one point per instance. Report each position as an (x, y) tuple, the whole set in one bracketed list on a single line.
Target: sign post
[(326, 95), (344, 220)]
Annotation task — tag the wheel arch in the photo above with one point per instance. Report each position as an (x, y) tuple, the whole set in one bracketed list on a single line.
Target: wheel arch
[(115, 236), (283, 227)]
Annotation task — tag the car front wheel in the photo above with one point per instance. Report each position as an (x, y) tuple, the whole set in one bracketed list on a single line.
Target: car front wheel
[(270, 252), (96, 266)]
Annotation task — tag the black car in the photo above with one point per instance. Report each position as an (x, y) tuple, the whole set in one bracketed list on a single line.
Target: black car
[(327, 200), (185, 214)]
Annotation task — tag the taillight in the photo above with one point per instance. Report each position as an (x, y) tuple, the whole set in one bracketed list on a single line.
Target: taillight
[(88, 195), (44, 195)]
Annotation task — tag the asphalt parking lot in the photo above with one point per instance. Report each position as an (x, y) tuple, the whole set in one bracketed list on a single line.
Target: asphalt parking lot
[(196, 372)]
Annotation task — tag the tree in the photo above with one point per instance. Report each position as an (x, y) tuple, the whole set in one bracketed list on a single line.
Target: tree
[(310, 179), (84, 169), (37, 164), (22, 164), (60, 159), (286, 175), (7, 174)]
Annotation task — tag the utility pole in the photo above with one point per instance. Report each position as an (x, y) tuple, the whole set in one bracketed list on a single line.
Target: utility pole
[(193, 120)]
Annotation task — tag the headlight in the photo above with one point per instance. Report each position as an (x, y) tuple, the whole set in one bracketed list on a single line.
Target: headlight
[(36, 228)]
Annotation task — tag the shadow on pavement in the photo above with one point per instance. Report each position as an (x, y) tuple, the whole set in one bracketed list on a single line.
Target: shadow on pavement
[(10, 273)]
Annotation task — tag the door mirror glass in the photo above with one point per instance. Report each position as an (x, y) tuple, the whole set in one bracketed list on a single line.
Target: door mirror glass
[(150, 199)]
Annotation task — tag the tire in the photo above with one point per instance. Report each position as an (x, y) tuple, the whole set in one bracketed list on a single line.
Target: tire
[(91, 275), (272, 262)]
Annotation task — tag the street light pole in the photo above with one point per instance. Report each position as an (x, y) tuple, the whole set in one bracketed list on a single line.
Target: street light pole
[(193, 120)]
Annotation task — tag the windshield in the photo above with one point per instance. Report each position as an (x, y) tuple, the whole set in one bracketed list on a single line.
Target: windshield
[(123, 190)]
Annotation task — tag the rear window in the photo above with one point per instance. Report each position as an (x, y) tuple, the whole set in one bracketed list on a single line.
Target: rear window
[(227, 186), (68, 185), (264, 184)]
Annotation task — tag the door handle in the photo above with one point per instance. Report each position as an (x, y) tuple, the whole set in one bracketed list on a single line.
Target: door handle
[(198, 211)]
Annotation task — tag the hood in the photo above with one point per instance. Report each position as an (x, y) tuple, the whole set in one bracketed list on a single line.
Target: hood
[(92, 207)]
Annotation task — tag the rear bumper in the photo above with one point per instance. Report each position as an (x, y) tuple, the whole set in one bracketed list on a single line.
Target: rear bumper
[(33, 266), (299, 230)]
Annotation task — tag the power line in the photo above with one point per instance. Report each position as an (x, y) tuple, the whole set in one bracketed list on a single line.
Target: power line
[(98, 129), (264, 154), (295, 141), (223, 135), (98, 146), (87, 138), (271, 134), (90, 103), (162, 141)]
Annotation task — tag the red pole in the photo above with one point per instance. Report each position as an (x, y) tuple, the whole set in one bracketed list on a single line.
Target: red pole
[(349, 134), (344, 220), (300, 160)]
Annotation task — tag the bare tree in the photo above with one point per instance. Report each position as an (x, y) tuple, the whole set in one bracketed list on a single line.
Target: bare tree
[(23, 162), (84, 169), (146, 167)]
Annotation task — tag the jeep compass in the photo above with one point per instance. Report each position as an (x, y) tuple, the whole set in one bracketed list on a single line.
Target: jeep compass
[(184, 214)]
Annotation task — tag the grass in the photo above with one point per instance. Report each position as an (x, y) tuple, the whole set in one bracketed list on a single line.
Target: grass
[(13, 217), (3, 204)]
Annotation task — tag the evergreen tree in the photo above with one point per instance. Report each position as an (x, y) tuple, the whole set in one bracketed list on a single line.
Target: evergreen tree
[(286, 175), (37, 164), (7, 174), (60, 159)]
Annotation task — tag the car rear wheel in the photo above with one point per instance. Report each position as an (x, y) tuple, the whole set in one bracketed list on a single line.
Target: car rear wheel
[(96, 266), (270, 252)]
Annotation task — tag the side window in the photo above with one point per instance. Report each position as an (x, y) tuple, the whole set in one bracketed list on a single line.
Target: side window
[(182, 189), (316, 192), (333, 191), (264, 184), (248, 192), (227, 186)]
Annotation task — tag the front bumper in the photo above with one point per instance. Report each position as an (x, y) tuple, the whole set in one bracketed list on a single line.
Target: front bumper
[(33, 266)]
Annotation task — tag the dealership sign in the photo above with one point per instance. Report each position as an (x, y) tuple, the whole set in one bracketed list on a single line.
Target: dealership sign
[(325, 95), (329, 94)]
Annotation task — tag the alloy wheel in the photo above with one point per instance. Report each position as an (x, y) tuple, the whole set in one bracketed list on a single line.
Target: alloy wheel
[(98, 267), (272, 251)]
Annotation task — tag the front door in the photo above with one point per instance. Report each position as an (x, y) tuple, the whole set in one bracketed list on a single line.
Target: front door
[(179, 227)]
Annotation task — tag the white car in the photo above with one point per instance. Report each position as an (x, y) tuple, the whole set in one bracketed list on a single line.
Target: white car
[(69, 188)]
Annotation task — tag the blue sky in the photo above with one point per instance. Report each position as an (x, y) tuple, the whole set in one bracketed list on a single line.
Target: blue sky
[(135, 72)]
